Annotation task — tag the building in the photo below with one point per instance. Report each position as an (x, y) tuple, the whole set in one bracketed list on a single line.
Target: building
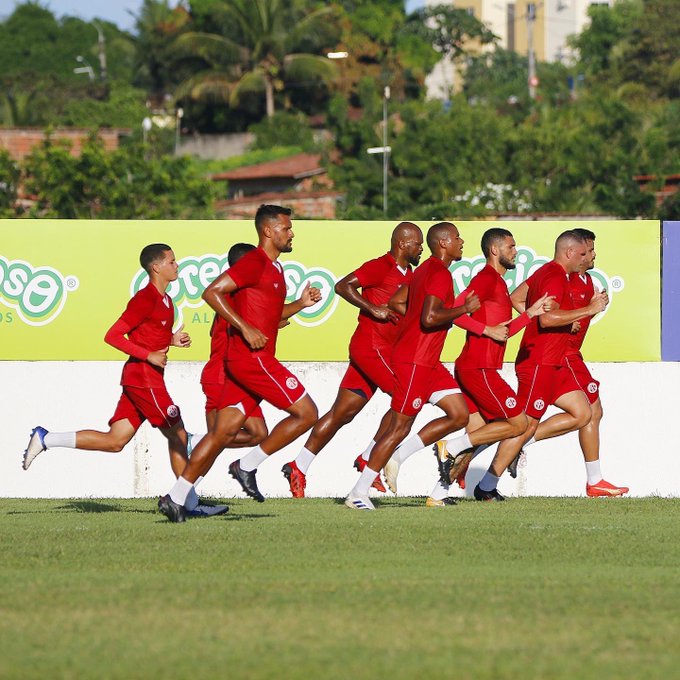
[(19, 142)]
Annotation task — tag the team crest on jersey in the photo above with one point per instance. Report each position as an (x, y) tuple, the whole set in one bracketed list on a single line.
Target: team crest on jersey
[(173, 411), (417, 403), (592, 387), (511, 402), (539, 404), (291, 383)]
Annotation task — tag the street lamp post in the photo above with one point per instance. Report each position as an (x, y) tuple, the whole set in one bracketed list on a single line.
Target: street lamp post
[(86, 68), (178, 125), (101, 42), (384, 149)]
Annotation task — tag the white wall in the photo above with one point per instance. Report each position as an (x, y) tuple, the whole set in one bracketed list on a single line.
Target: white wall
[(639, 436)]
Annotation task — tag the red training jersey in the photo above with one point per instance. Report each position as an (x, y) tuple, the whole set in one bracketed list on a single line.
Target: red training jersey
[(258, 300), (582, 291), (379, 280), (147, 322), (546, 346), (495, 308), (416, 344)]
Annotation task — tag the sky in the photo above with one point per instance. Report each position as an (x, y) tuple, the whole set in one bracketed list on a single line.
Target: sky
[(115, 11)]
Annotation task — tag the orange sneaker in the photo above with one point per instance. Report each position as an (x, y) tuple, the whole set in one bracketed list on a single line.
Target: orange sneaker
[(296, 479), (360, 464), (604, 488)]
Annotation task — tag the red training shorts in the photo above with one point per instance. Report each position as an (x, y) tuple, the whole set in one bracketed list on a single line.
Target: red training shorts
[(415, 384), (540, 386), (367, 370), (488, 392), (588, 384), (154, 404), (213, 399)]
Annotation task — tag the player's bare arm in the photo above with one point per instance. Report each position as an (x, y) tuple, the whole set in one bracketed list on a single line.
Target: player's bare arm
[(518, 297), (310, 296), (559, 317), (399, 301), (435, 314), (348, 289), (215, 296)]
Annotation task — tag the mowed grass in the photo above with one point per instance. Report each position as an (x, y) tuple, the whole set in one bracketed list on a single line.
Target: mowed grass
[(530, 588)]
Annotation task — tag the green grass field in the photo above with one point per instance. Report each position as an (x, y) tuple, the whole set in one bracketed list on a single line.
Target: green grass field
[(530, 588)]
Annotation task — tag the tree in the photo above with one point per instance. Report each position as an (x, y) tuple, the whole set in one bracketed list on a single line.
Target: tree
[(10, 175), (256, 50)]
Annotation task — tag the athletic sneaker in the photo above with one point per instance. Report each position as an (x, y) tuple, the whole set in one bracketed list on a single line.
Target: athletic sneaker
[(487, 495), (173, 511), (604, 488), (246, 480), (512, 468), (360, 464), (439, 502), (36, 445), (391, 471), (296, 479), (207, 510), (358, 502), (452, 467)]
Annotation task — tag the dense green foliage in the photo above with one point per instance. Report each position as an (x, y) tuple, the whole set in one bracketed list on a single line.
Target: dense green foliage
[(259, 65), (531, 588)]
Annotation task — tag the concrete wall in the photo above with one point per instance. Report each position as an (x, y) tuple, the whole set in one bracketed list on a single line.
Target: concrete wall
[(639, 436), (213, 147)]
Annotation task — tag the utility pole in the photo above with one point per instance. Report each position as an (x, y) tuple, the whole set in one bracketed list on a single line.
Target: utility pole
[(101, 42), (386, 154), (532, 79)]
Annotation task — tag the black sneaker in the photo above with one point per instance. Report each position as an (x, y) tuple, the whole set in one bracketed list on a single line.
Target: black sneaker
[(512, 468), (487, 495), (246, 480), (173, 511)]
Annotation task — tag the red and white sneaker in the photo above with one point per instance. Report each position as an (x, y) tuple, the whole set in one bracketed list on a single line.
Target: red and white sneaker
[(296, 479), (604, 488), (360, 464)]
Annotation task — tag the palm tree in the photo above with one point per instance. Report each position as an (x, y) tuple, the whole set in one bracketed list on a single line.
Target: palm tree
[(256, 49)]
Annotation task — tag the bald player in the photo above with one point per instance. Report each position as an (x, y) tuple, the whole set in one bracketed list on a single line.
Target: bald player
[(369, 288), (543, 378)]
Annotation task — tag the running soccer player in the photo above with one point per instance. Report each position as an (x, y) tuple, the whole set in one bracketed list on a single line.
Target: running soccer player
[(147, 322), (582, 290), (477, 368), (542, 376), (419, 375), (258, 291), (370, 348)]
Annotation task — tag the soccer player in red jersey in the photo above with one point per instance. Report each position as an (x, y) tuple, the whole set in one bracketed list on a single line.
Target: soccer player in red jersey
[(147, 322), (542, 376), (418, 372), (583, 290), (495, 412), (258, 291), (370, 348)]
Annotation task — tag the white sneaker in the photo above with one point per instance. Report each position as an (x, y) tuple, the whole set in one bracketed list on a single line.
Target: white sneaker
[(391, 471), (358, 502), (36, 445)]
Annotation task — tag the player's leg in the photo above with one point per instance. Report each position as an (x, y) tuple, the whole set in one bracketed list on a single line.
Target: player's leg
[(177, 446), (576, 414)]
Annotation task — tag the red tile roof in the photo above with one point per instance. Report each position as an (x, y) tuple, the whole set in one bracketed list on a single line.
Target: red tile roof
[(296, 167)]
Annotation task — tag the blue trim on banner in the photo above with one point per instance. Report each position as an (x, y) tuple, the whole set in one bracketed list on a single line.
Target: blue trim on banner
[(670, 292)]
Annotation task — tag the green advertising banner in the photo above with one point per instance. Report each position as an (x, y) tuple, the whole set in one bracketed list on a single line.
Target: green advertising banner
[(63, 283)]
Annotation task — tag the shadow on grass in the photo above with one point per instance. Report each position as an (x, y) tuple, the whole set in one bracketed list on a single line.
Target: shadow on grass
[(228, 517), (93, 507)]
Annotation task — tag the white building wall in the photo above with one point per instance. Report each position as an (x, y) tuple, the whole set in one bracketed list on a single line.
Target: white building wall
[(639, 436)]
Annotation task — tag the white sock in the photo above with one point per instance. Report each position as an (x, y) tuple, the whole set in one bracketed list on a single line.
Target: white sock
[(304, 459), (181, 490), (529, 443), (252, 459), (367, 453), (440, 491), (191, 501), (366, 478), (458, 444), (489, 482), (593, 471), (66, 440), (408, 448), (198, 481), (193, 440)]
